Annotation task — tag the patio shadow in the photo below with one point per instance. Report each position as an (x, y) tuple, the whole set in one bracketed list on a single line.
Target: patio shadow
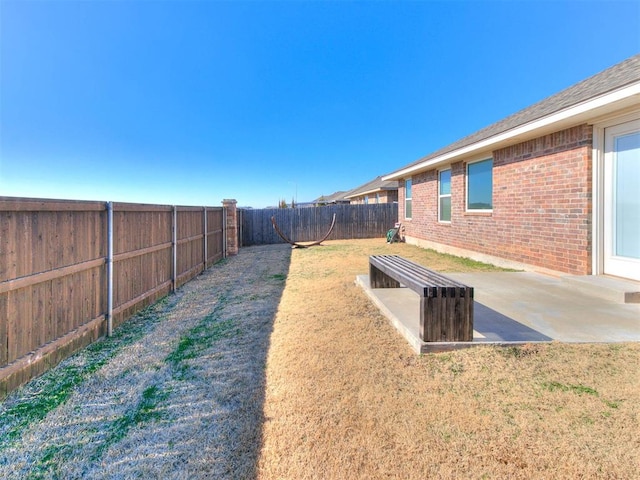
[(493, 326)]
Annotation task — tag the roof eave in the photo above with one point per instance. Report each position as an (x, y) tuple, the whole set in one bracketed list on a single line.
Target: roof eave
[(368, 192), (582, 112)]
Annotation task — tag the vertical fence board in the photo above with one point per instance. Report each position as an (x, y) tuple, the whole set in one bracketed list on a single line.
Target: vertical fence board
[(7, 242), (190, 247), (4, 324), (215, 242), (138, 273)]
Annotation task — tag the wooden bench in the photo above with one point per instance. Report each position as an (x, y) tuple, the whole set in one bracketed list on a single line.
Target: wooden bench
[(446, 306)]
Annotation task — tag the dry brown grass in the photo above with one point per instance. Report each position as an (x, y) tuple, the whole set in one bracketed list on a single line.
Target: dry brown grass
[(347, 398), (201, 387)]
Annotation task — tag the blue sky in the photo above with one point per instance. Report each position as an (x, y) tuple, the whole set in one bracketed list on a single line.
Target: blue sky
[(190, 102)]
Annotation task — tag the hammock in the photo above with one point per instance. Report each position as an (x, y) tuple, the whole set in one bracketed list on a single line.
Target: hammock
[(302, 245)]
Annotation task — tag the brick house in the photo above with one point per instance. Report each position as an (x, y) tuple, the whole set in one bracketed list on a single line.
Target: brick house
[(553, 187), (375, 191)]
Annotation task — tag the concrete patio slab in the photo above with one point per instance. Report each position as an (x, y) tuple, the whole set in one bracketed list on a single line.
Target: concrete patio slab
[(519, 307)]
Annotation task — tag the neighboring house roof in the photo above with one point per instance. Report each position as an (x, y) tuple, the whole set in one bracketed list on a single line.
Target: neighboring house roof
[(333, 198), (374, 186), (612, 89)]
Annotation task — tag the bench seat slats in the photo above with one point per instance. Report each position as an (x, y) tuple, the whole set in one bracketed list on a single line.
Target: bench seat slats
[(420, 279), (414, 271)]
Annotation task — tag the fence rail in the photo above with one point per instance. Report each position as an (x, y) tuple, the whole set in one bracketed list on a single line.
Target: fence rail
[(54, 285), (309, 224)]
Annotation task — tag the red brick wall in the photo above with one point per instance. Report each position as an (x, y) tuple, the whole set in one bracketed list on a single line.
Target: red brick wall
[(541, 205)]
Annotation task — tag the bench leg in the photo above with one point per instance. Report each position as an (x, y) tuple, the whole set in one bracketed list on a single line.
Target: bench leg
[(467, 328), (446, 318), (433, 321), (379, 279)]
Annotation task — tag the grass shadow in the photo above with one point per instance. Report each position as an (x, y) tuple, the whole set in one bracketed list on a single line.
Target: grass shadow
[(194, 409)]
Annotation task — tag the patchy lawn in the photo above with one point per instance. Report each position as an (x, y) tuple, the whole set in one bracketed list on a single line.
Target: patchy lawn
[(275, 365)]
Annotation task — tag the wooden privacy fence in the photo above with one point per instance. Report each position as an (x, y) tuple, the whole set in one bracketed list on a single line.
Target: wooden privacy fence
[(70, 269), (312, 223)]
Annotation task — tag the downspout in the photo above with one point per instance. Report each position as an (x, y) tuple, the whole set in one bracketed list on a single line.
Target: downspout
[(109, 269)]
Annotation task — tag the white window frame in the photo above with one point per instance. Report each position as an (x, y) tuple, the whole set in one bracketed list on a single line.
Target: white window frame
[(468, 178), (408, 199), (441, 196)]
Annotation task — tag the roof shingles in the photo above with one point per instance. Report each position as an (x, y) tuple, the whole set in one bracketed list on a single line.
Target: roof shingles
[(613, 78)]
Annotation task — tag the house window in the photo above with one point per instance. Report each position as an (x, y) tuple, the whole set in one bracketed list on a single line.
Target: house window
[(366, 199), (377, 198), (444, 195), (480, 186), (407, 199)]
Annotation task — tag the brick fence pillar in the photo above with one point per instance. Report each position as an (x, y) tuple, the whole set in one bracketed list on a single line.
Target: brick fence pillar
[(231, 226)]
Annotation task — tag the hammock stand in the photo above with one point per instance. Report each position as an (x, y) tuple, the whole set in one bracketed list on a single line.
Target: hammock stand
[(302, 245)]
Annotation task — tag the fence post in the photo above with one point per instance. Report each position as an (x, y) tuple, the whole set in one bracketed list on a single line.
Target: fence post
[(224, 232), (204, 226), (109, 269), (231, 226), (174, 248), (240, 232)]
